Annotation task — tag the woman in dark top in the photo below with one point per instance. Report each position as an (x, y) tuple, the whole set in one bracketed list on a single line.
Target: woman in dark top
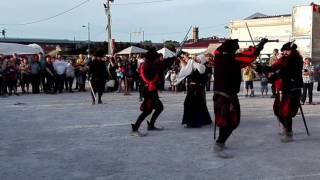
[(195, 112)]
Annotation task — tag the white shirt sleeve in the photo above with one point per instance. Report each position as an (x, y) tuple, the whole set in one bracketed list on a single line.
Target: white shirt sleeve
[(200, 67)]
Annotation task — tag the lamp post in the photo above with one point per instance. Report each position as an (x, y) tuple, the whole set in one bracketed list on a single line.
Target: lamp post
[(88, 26)]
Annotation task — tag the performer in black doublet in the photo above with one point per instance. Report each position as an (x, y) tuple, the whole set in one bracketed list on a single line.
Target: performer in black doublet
[(98, 74), (227, 81), (149, 73), (288, 82), (195, 112)]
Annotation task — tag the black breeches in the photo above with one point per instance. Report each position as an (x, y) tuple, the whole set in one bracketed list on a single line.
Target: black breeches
[(224, 133), (98, 87), (157, 106)]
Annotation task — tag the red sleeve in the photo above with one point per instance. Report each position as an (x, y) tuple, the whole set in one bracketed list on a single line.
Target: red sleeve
[(248, 56), (277, 65)]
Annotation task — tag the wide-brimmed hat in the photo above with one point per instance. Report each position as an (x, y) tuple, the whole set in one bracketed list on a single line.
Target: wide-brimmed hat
[(289, 46)]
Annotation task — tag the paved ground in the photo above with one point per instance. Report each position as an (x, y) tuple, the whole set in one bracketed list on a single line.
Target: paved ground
[(65, 137)]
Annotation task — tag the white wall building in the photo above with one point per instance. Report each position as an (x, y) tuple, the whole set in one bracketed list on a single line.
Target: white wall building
[(262, 26)]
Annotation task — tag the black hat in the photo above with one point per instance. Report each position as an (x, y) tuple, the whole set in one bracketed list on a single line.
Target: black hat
[(229, 46), (289, 46), (152, 54)]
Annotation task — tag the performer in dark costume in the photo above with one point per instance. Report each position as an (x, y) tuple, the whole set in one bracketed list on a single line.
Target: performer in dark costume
[(288, 83), (227, 76), (195, 113), (149, 73), (98, 74)]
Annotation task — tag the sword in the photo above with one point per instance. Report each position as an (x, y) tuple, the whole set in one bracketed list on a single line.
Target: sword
[(250, 34), (215, 130), (272, 40), (304, 120), (183, 42), (92, 92)]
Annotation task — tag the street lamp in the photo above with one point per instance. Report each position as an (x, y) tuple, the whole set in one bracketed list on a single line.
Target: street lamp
[(88, 26)]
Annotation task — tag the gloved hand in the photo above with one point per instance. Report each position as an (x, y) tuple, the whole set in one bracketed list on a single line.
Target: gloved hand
[(261, 44), (263, 41)]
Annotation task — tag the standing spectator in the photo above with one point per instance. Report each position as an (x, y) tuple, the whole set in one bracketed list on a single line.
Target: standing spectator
[(16, 59), (317, 76), (1, 76), (129, 74), (135, 79), (70, 76), (81, 72), (264, 84), (60, 66), (274, 57), (25, 72), (4, 63), (120, 75), (162, 73), (11, 78), (307, 76), (49, 75), (173, 80), (35, 75), (42, 63), (209, 69), (141, 60), (248, 77), (111, 69)]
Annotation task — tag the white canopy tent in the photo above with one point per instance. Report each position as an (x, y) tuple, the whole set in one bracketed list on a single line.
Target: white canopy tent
[(132, 50), (166, 53), (11, 48), (37, 46)]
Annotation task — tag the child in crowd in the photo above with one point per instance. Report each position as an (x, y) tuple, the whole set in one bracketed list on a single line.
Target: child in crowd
[(264, 84)]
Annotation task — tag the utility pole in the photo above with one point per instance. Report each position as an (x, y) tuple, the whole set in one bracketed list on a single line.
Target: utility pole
[(108, 13), (139, 32), (142, 36), (4, 32)]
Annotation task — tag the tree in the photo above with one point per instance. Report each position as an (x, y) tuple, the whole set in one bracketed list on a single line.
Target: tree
[(146, 45), (171, 45)]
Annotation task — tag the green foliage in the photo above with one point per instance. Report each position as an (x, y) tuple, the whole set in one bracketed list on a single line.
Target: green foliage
[(171, 45)]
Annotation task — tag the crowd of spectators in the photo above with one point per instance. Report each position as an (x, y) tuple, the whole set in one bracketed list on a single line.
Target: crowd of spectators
[(58, 74)]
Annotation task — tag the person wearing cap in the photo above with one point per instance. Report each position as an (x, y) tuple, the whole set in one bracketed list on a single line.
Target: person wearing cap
[(195, 113), (227, 82), (150, 74), (287, 77)]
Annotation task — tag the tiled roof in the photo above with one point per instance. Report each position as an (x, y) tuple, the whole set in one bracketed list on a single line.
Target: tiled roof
[(261, 16), (202, 43)]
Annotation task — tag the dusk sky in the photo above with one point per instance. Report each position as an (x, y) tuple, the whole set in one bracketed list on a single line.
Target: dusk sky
[(159, 19)]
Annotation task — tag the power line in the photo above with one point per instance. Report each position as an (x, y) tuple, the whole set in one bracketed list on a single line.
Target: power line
[(138, 3), (47, 18)]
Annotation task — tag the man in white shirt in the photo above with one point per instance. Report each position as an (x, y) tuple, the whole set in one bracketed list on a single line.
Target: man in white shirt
[(307, 76), (60, 66)]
